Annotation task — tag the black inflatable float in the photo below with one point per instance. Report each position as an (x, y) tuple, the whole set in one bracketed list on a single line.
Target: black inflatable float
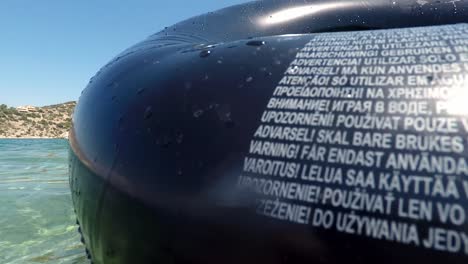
[(281, 132)]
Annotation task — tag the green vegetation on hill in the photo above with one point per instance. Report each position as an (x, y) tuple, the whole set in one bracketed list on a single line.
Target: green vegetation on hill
[(53, 121)]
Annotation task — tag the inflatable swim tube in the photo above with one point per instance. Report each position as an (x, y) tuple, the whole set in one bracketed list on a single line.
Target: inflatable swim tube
[(280, 132)]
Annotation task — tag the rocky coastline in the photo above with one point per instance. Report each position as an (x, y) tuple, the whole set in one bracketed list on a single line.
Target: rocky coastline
[(52, 121)]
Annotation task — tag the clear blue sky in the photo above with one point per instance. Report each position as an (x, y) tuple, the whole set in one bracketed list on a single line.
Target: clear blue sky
[(50, 49)]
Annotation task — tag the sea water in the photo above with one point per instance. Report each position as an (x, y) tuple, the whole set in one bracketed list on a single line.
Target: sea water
[(37, 222)]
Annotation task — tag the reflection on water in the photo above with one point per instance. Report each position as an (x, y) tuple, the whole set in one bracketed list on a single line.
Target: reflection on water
[(37, 222)]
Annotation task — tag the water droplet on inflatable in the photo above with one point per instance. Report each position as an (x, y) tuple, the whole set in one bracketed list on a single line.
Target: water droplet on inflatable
[(249, 79), (255, 43), (430, 78), (148, 112), (198, 113), (213, 106), (205, 53), (113, 84)]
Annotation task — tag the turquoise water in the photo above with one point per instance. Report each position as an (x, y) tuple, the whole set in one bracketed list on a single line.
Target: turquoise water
[(37, 222)]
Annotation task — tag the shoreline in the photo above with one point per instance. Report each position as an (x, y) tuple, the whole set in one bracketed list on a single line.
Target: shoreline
[(29, 122)]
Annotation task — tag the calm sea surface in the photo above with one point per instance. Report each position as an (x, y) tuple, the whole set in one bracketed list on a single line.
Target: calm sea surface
[(37, 222)]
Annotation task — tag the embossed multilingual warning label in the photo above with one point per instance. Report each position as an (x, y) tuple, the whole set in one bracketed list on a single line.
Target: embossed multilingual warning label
[(366, 134)]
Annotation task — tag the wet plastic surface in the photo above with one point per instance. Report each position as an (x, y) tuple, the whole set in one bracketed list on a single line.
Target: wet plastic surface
[(161, 132)]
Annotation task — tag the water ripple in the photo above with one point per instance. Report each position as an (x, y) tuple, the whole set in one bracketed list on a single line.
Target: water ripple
[(36, 216)]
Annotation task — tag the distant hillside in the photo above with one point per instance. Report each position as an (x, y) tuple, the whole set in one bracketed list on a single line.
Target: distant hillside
[(53, 121)]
